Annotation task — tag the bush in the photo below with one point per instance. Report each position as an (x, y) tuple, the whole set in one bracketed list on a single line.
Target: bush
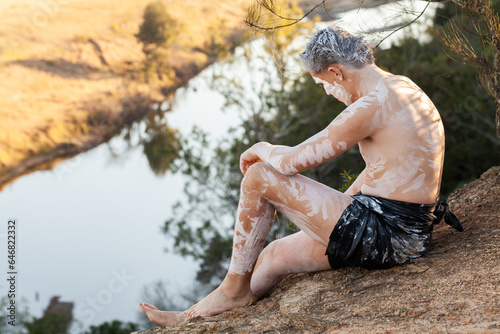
[(159, 28)]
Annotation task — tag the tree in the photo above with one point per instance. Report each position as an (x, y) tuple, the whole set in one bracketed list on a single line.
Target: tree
[(157, 32), (113, 327), (159, 28), (50, 323), (486, 27), (56, 318)]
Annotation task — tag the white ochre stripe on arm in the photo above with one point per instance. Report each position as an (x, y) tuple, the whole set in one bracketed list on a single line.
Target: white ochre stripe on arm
[(347, 129)]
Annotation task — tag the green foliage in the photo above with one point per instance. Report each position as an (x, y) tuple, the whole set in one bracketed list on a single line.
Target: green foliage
[(53, 323), (212, 194), (348, 180), (160, 143), (158, 28), (157, 32), (113, 327), (466, 38), (219, 44)]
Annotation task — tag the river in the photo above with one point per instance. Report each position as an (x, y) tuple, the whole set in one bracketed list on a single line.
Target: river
[(89, 230)]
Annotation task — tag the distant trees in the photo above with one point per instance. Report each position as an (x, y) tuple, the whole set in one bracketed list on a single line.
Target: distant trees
[(53, 323), (157, 33), (482, 24), (57, 319), (113, 327)]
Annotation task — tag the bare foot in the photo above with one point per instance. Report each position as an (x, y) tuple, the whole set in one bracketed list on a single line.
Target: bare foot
[(218, 301), (164, 318)]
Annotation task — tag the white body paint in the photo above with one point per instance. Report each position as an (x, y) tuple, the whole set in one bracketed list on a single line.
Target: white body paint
[(336, 90), (249, 244), (400, 136), (403, 170)]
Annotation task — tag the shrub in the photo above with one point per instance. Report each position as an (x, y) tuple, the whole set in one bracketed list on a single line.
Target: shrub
[(159, 27)]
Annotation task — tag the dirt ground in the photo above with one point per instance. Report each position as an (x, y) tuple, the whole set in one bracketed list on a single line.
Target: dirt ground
[(454, 288)]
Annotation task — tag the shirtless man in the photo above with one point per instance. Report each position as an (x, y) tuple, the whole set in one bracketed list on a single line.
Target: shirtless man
[(401, 139)]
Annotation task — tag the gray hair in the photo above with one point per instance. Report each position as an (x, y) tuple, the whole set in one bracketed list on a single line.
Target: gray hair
[(335, 45)]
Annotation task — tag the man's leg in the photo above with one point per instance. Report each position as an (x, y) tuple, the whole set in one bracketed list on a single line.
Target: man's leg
[(296, 253), (313, 207), (292, 254)]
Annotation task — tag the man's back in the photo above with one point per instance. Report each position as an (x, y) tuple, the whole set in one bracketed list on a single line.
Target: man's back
[(405, 151)]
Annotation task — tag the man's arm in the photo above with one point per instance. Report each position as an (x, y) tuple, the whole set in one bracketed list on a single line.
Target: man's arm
[(347, 129)]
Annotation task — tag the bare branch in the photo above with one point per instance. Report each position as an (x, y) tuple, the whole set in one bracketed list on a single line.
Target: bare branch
[(403, 26), (254, 15)]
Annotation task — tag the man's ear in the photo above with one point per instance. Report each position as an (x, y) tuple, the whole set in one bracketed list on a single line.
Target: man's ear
[(336, 71)]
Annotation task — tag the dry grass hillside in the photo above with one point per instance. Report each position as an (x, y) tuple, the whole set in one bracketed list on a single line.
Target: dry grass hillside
[(68, 70)]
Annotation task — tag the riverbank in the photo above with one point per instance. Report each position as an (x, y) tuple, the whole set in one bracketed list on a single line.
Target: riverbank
[(71, 71)]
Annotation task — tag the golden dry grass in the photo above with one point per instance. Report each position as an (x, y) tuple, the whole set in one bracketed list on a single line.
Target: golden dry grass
[(61, 60)]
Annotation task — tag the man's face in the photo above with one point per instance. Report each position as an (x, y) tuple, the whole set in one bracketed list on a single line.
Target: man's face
[(335, 89)]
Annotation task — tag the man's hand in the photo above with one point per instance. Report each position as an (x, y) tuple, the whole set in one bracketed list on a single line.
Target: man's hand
[(247, 159)]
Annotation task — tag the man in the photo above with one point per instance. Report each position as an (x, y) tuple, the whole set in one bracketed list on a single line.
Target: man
[(385, 218)]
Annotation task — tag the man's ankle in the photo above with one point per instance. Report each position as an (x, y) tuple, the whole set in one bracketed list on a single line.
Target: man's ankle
[(236, 286)]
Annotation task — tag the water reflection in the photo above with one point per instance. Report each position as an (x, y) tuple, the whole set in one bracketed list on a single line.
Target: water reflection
[(102, 212), (161, 143)]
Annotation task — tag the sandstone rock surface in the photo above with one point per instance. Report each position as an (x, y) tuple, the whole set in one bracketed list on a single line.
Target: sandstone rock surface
[(455, 288)]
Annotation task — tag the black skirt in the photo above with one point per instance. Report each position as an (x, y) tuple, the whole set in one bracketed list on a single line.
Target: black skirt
[(376, 233)]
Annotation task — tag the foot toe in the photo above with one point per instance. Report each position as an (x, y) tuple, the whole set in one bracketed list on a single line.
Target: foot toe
[(151, 306), (142, 308)]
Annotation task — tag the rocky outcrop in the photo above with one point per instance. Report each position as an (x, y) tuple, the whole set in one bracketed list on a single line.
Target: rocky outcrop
[(453, 289)]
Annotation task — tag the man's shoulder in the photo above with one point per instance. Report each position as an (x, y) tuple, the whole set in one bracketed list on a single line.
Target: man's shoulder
[(401, 83)]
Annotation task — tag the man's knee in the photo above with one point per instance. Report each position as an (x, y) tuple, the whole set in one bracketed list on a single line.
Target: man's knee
[(257, 174), (272, 259)]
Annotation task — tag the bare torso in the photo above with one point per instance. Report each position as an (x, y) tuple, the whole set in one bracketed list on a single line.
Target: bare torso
[(405, 151)]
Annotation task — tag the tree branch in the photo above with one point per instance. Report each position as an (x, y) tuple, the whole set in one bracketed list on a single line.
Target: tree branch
[(254, 15), (403, 26)]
